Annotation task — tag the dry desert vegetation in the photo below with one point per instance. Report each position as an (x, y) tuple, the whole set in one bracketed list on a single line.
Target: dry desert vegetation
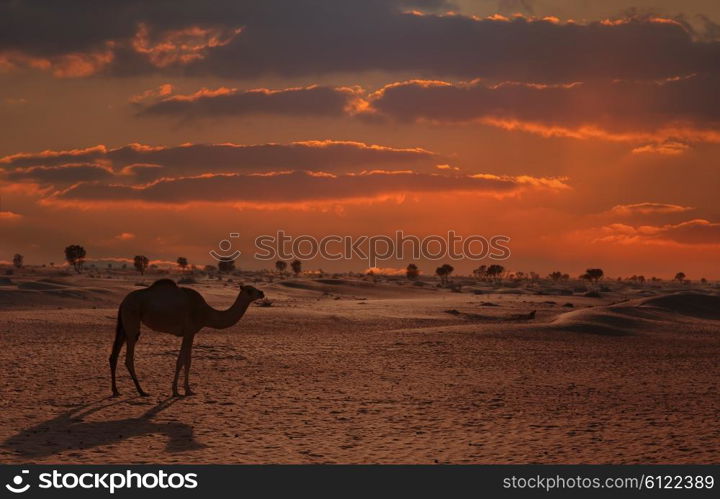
[(351, 369)]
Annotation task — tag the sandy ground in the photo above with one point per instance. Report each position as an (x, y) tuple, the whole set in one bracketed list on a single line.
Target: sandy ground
[(350, 371)]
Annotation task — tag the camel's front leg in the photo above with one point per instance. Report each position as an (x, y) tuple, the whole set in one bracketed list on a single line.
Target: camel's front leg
[(130, 364), (188, 361), (181, 361)]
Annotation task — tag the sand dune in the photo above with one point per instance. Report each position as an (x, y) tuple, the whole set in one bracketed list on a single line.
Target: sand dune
[(691, 304), (353, 288), (53, 293), (644, 315)]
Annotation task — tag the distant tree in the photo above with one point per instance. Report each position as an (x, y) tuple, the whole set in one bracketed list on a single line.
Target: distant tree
[(75, 256), (182, 262), (480, 272), (109, 265), (18, 260), (210, 268), (444, 272), (296, 266), (555, 276), (680, 276), (412, 272), (703, 280), (494, 271), (641, 279), (280, 266), (226, 266), (594, 274), (141, 263)]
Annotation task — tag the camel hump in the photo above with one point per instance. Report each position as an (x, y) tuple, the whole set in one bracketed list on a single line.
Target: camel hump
[(164, 282)]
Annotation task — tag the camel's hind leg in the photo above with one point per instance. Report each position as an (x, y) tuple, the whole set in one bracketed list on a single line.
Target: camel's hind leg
[(183, 360), (117, 346), (132, 333), (188, 361)]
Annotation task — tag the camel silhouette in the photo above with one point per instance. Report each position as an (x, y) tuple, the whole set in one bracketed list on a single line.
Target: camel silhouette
[(167, 308)]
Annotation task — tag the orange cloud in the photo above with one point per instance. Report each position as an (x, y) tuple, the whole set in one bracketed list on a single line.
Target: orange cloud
[(669, 147), (180, 46), (70, 65), (648, 208), (691, 232), (162, 91), (9, 215)]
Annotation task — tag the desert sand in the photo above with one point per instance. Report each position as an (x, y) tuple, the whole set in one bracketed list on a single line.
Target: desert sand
[(367, 370)]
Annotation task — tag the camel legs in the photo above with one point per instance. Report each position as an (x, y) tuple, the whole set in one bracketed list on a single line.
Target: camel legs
[(188, 361), (184, 360), (132, 333), (117, 346)]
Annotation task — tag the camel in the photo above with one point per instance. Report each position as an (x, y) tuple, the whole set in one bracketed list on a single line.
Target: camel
[(167, 308)]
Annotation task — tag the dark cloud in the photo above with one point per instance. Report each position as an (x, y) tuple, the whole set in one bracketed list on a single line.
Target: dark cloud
[(154, 162), (660, 115), (616, 107), (310, 37), (518, 49), (306, 101), (58, 175), (514, 6), (46, 27), (296, 187)]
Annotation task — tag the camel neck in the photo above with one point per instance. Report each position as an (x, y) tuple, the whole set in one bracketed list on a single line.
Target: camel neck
[(221, 319)]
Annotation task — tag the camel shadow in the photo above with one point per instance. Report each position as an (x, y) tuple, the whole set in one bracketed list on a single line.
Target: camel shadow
[(69, 431)]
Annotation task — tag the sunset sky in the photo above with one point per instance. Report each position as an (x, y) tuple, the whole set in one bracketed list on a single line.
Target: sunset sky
[(586, 131)]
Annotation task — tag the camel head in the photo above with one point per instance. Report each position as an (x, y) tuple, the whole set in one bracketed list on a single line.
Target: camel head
[(252, 293)]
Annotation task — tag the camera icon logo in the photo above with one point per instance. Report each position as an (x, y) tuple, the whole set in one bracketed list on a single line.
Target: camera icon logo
[(17, 487)]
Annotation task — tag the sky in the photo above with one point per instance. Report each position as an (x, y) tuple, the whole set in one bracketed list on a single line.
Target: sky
[(586, 131)]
